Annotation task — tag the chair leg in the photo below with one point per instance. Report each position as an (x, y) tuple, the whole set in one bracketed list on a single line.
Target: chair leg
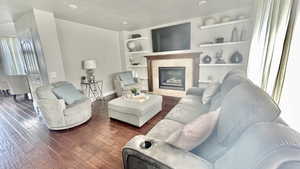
[(15, 98), (26, 97)]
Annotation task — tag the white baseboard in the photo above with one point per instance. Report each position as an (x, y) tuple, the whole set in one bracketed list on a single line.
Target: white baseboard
[(108, 93)]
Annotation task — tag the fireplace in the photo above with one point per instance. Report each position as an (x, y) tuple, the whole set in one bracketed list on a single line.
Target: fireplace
[(172, 78)]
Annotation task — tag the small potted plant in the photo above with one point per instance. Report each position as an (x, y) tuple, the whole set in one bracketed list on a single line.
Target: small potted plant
[(134, 91)]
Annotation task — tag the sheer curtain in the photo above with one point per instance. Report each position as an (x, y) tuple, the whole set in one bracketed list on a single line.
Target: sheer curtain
[(269, 40), (12, 58)]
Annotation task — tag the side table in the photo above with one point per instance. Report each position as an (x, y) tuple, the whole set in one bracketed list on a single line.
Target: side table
[(93, 89)]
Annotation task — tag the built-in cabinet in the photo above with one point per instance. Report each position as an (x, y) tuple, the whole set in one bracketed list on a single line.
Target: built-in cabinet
[(229, 35)]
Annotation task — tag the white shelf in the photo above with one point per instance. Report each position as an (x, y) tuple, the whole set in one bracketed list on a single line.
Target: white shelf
[(224, 24), (142, 78), (139, 52), (137, 66), (219, 65), (204, 81), (136, 39), (223, 44)]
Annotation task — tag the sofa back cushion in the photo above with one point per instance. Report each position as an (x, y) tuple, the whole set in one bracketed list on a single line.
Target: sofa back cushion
[(68, 93), (230, 81), (242, 107), (263, 145)]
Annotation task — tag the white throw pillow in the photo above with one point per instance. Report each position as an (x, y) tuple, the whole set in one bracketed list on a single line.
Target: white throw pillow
[(209, 92), (196, 132)]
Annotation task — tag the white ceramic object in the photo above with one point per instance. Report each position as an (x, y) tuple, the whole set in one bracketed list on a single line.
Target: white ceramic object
[(226, 19), (210, 21)]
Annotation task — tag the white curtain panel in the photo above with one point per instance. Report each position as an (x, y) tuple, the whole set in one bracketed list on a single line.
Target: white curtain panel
[(12, 58), (272, 18)]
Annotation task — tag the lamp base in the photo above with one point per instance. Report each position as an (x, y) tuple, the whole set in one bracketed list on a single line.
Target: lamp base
[(90, 75)]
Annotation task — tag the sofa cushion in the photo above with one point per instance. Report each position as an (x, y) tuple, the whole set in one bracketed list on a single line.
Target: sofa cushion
[(242, 107), (231, 80), (195, 132), (261, 144), (190, 99), (211, 150), (209, 92), (68, 93), (184, 113), (127, 78), (163, 129)]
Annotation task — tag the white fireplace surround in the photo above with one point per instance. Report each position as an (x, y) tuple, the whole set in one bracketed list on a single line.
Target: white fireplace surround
[(187, 63)]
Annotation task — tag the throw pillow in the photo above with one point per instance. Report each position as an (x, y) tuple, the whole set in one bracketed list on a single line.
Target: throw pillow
[(196, 132), (127, 78), (209, 92), (68, 93)]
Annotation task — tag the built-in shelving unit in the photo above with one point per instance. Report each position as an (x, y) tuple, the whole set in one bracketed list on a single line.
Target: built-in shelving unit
[(203, 42), (223, 44), (224, 24)]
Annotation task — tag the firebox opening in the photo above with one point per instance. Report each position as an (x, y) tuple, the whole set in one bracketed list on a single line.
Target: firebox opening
[(172, 78)]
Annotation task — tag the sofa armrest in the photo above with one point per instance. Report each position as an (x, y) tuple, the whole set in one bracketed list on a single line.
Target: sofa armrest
[(160, 155), (52, 110), (195, 91)]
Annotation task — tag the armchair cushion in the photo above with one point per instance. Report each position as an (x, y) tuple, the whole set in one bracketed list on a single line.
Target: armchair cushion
[(127, 78), (68, 93)]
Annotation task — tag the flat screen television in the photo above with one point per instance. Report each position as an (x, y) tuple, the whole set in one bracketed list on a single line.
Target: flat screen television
[(177, 37)]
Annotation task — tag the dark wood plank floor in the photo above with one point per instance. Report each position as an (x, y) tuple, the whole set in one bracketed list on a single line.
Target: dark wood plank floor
[(26, 143)]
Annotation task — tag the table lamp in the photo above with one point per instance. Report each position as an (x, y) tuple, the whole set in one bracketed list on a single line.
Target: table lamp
[(90, 65)]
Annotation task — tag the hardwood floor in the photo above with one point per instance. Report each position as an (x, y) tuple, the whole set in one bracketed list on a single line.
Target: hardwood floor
[(26, 143)]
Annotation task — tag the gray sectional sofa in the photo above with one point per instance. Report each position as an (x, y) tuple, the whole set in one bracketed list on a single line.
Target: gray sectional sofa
[(249, 134)]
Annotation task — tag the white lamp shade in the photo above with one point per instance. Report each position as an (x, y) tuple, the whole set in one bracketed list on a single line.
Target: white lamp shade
[(89, 64)]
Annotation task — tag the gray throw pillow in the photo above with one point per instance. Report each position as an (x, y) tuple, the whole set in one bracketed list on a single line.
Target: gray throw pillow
[(68, 93), (196, 132), (127, 78), (209, 92)]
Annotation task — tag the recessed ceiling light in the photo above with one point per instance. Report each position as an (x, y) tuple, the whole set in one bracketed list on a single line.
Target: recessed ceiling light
[(72, 6), (202, 2), (125, 23)]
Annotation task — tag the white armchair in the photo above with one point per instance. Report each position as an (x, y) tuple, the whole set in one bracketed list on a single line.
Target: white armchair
[(124, 81), (18, 85), (56, 114)]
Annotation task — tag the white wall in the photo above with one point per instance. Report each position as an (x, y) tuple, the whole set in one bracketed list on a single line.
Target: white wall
[(7, 29), (46, 26), (79, 42)]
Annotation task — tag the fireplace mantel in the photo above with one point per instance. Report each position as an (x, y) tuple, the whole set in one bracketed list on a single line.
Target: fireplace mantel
[(194, 56)]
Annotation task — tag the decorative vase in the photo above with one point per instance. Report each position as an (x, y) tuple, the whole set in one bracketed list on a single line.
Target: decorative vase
[(210, 21), (236, 58), (206, 59), (243, 35), (225, 19), (134, 46), (235, 35)]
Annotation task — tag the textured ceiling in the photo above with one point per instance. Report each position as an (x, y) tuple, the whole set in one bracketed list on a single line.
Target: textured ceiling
[(110, 14)]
